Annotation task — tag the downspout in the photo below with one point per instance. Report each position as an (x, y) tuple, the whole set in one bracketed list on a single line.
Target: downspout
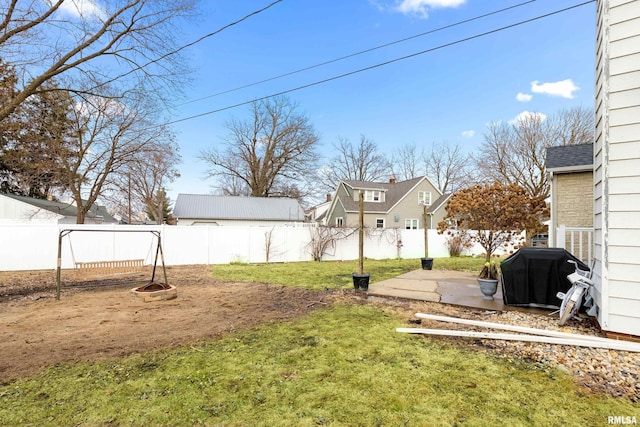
[(551, 241)]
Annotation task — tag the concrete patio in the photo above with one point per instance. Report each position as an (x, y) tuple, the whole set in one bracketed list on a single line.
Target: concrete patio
[(444, 286)]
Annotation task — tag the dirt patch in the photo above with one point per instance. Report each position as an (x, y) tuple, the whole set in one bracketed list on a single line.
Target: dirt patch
[(103, 321)]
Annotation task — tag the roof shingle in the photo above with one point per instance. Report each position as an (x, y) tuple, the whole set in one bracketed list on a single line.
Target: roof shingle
[(394, 192), (567, 156)]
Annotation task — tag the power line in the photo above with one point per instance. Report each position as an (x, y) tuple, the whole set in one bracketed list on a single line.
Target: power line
[(381, 64), (357, 53), (173, 52)]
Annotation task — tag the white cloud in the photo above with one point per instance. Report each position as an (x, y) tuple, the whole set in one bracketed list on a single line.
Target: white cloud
[(95, 104), (82, 9), (523, 97), (468, 133), (422, 7), (563, 88), (525, 116)]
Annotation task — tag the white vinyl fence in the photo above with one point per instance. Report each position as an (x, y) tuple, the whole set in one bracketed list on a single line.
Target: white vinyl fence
[(34, 247)]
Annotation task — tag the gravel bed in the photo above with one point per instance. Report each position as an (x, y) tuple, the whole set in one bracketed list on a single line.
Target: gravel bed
[(613, 372)]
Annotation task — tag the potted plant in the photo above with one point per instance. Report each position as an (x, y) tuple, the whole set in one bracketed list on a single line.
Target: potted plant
[(360, 278), (488, 279), (492, 215), (427, 263)]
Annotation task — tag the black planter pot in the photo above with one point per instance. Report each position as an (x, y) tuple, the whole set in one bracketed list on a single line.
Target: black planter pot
[(427, 263), (361, 281)]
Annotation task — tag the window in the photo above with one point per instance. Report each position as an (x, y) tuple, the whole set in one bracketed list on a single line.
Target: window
[(424, 198), (339, 222), (372, 196), (411, 224), (379, 222)]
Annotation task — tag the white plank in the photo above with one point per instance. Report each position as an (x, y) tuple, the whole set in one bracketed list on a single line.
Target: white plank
[(623, 324), (623, 282), (624, 116), (613, 345), (620, 182), (625, 237), (621, 11), (624, 82), (628, 133), (625, 307), (625, 150), (624, 47), (624, 203), (625, 99), (624, 64), (512, 328), (624, 254), (624, 29)]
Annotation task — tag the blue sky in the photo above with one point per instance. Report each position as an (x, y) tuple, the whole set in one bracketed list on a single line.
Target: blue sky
[(447, 94)]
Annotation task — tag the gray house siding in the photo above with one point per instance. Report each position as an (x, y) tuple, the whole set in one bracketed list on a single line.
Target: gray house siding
[(399, 202), (408, 207)]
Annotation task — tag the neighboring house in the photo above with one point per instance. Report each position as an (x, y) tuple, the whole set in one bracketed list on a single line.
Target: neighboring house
[(570, 170), (388, 204), (318, 213), (203, 209), (14, 208), (617, 167)]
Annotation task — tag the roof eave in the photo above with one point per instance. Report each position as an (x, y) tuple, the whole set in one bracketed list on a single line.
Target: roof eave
[(569, 169)]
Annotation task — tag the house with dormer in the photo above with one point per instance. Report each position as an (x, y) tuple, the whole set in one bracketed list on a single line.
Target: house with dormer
[(392, 204)]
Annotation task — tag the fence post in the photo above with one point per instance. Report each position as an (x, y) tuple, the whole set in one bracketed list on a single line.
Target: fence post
[(561, 236)]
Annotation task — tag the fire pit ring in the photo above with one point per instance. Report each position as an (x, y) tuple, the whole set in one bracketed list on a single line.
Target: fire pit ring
[(155, 292)]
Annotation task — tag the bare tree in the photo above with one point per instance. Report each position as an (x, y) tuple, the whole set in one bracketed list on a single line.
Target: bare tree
[(57, 39), (362, 162), (109, 134), (232, 186), (272, 151), (448, 166), (516, 152), (406, 162), (573, 126), (146, 176)]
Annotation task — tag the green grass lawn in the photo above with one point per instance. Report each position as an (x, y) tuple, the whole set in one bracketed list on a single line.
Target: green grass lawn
[(341, 365), (333, 274)]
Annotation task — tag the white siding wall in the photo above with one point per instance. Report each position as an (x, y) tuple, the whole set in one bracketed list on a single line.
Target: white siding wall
[(617, 166)]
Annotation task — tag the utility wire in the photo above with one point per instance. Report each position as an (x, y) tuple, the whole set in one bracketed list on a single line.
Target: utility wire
[(173, 52), (442, 46), (356, 53)]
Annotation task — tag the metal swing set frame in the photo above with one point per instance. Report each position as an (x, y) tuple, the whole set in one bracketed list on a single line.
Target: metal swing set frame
[(67, 231)]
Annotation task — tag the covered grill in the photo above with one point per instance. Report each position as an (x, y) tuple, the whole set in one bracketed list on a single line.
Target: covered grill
[(532, 277)]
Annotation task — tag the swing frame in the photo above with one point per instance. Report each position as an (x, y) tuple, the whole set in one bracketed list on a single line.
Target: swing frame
[(67, 231)]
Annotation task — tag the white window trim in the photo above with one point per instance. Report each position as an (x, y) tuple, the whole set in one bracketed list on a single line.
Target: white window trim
[(339, 221), (370, 195), (411, 223), (383, 222), (422, 198)]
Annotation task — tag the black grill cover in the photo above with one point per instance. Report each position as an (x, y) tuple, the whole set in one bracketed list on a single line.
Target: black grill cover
[(533, 276)]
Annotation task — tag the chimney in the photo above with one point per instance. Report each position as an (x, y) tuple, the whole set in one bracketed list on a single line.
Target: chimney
[(328, 197), (392, 180)]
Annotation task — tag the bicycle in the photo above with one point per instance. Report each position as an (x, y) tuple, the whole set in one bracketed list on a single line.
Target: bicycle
[(572, 300)]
